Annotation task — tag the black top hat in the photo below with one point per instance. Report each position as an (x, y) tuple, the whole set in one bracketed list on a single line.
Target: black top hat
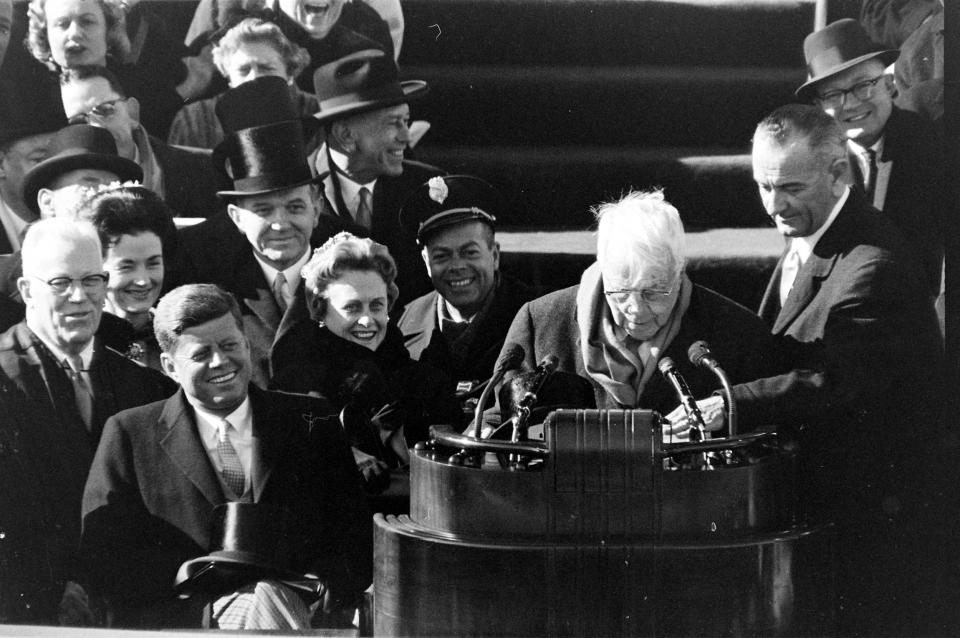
[(30, 115), (365, 78), (445, 201), (73, 147), (250, 543), (836, 47), (264, 139)]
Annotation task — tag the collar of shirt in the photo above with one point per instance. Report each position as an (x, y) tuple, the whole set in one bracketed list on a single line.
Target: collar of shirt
[(241, 435), (446, 310), (86, 355), (291, 274), (805, 245), (13, 224), (349, 188)]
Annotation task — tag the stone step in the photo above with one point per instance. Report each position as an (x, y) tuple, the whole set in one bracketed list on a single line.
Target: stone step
[(605, 32), (616, 106), (553, 187)]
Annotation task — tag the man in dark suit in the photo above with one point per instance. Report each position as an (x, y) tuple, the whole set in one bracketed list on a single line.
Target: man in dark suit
[(863, 384), (184, 177), (58, 385), (897, 156), (366, 179), (460, 326), (161, 470), (256, 249)]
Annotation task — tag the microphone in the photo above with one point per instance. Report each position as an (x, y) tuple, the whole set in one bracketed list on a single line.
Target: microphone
[(545, 368), (669, 370), (700, 356), (509, 360)]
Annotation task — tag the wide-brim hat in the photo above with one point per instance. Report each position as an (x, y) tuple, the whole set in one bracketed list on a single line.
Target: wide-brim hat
[(445, 201), (263, 148), (251, 544), (74, 147), (363, 78), (29, 115), (835, 48)]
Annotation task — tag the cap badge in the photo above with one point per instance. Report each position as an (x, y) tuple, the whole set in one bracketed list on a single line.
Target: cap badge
[(438, 190)]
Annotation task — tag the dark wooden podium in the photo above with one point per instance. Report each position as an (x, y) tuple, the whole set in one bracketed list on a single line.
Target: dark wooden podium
[(602, 530)]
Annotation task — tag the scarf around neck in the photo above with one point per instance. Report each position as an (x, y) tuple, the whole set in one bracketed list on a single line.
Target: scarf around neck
[(610, 357)]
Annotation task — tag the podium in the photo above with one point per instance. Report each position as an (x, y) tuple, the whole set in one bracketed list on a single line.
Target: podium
[(602, 529)]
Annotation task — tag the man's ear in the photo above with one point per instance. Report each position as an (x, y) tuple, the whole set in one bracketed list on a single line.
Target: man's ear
[(841, 175), (342, 134), (45, 202), (233, 211), (496, 255), (23, 285), (166, 364), (133, 108)]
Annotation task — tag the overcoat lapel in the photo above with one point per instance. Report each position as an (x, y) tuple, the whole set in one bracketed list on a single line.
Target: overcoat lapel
[(811, 275), (181, 442), (271, 431)]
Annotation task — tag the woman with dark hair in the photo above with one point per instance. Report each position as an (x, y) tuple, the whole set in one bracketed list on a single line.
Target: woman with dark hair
[(350, 354), (138, 237)]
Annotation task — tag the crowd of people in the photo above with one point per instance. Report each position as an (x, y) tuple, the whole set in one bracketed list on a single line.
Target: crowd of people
[(268, 368)]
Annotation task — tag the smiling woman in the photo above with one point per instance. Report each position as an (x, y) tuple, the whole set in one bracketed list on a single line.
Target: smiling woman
[(137, 231), (351, 354)]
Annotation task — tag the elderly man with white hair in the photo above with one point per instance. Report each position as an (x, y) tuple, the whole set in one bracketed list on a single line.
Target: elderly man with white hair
[(634, 306)]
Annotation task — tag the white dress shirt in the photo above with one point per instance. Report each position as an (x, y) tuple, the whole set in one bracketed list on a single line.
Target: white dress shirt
[(349, 189)]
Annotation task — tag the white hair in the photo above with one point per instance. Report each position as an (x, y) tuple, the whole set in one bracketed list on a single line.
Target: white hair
[(41, 233), (640, 232)]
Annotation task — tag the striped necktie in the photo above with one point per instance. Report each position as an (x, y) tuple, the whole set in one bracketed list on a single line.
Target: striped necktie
[(232, 471)]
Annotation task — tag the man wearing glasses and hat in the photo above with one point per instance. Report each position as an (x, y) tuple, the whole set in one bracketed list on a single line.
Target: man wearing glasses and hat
[(896, 156), (58, 384), (461, 325), (366, 178)]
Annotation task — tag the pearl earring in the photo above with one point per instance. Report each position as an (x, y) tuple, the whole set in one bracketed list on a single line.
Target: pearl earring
[(321, 324)]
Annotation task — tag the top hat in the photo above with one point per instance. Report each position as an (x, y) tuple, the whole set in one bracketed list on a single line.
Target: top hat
[(31, 115), (445, 201), (836, 47), (250, 541), (263, 144), (364, 78), (73, 147)]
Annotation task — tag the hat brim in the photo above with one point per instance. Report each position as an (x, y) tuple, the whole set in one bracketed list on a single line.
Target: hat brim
[(41, 174), (412, 90), (228, 570), (806, 90), (272, 189)]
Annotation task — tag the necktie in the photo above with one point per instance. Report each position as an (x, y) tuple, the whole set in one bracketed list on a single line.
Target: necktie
[(365, 208), (232, 471), (870, 183), (279, 283), (788, 273), (82, 394)]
